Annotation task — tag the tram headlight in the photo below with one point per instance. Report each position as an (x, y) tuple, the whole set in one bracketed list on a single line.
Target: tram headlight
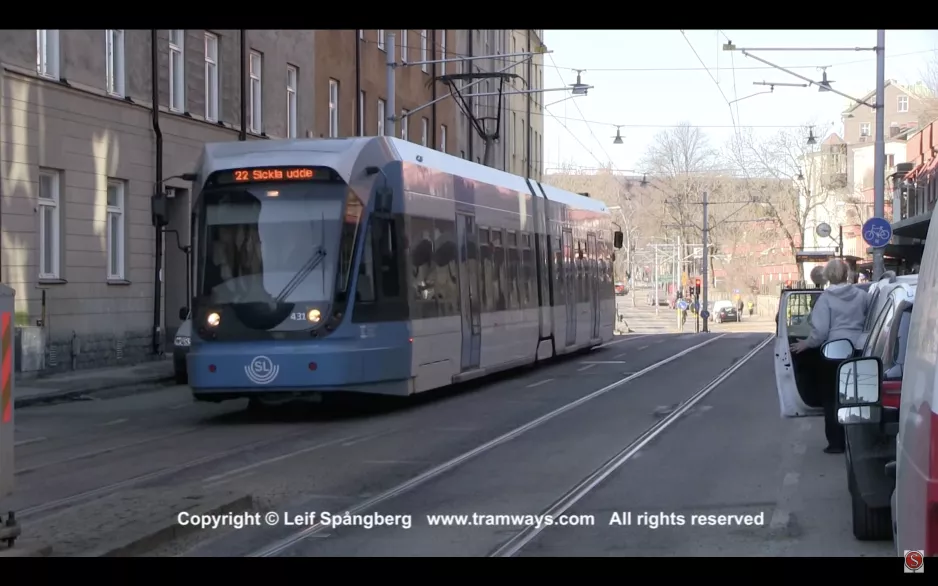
[(213, 319), (313, 316)]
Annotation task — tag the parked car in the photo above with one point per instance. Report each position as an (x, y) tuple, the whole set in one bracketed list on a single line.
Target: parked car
[(621, 289), (181, 344), (724, 311), (870, 446), (662, 298)]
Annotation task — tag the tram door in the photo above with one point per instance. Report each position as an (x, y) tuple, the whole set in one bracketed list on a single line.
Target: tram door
[(470, 285), (570, 283), (592, 270)]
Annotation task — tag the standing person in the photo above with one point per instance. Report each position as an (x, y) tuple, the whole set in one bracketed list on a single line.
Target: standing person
[(739, 307), (838, 313), (750, 308)]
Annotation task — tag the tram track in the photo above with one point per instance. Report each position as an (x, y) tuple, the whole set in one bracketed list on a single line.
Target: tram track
[(283, 545)]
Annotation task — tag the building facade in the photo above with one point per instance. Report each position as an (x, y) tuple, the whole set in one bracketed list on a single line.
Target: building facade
[(914, 189), (525, 124)]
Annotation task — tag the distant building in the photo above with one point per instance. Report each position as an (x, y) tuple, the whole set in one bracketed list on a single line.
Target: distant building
[(525, 125)]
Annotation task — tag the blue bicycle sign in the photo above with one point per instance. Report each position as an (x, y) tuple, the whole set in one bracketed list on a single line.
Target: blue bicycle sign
[(877, 232)]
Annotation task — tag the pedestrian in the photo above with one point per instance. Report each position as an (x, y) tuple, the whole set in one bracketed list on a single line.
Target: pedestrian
[(750, 308), (839, 313), (683, 318), (739, 307)]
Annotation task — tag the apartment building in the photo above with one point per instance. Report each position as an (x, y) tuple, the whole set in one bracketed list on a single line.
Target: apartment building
[(79, 157), (351, 71), (525, 123)]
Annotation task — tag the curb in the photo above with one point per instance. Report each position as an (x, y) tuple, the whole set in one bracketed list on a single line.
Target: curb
[(34, 551), (109, 391), (169, 531)]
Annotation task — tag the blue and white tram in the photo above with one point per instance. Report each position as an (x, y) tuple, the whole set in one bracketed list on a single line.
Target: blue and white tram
[(375, 265)]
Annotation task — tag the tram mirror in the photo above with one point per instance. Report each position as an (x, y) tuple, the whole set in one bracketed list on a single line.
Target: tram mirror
[(158, 209), (183, 313), (617, 239)]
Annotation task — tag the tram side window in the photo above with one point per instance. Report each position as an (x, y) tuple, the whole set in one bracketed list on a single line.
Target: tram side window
[(559, 278), (445, 266), (529, 272), (501, 272), (421, 238), (513, 261), (365, 289), (378, 291), (485, 256)]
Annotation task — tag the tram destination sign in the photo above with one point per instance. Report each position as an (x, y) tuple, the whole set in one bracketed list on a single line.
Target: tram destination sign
[(264, 174)]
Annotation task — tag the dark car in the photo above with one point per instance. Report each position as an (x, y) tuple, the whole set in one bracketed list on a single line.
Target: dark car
[(725, 314), (871, 446)]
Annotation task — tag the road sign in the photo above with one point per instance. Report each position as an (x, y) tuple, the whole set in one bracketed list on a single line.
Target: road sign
[(823, 230), (682, 305), (877, 232), (705, 314)]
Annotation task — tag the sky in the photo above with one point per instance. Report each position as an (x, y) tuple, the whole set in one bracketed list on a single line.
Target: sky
[(650, 80)]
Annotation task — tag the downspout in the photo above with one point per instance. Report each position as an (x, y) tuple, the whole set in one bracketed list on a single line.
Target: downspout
[(158, 168), (359, 131), (527, 139), (433, 143), (469, 128), (243, 134)]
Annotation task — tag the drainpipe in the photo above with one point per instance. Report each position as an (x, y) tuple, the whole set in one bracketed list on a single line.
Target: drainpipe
[(158, 167), (470, 130), (243, 134), (433, 142), (359, 131), (530, 76)]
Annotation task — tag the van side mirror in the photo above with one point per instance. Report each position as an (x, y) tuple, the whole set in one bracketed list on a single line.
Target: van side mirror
[(858, 383), (183, 313), (838, 349), (617, 239)]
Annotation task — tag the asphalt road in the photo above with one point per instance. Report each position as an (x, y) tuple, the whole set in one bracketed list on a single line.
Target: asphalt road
[(86, 471)]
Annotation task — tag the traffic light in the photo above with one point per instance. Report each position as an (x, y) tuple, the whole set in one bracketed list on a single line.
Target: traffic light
[(697, 286)]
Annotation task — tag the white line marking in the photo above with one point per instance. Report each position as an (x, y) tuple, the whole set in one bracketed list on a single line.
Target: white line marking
[(393, 462), (539, 383), (227, 480), (26, 442), (595, 362), (587, 367), (516, 543), (283, 544), (625, 338), (180, 406), (620, 355), (115, 422), (643, 347)]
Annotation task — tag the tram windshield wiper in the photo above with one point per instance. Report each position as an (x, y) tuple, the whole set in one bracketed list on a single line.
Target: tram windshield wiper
[(308, 267)]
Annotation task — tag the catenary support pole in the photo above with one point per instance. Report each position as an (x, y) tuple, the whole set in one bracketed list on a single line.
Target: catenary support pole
[(705, 282), (656, 279), (390, 109), (879, 150)]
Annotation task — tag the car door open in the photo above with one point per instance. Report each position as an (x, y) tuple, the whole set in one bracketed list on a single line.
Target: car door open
[(798, 395)]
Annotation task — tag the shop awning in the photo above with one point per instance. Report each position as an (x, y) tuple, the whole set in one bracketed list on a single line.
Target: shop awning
[(910, 176)]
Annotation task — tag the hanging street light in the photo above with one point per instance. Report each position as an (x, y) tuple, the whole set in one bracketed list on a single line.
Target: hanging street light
[(617, 139), (824, 85), (579, 88), (811, 138)]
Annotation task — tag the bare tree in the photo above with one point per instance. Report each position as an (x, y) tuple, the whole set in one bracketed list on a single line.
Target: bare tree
[(786, 177), (930, 80)]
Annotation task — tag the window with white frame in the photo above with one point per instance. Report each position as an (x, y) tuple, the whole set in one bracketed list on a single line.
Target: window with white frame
[(49, 223), (381, 116), (514, 134), (403, 44), (361, 34), (405, 134), (177, 70), (333, 108), (114, 52), (423, 49), (443, 51), (292, 78), (256, 64), (47, 53), (381, 39), (442, 138), (361, 113), (903, 104), (865, 129), (211, 77), (115, 229), (424, 132)]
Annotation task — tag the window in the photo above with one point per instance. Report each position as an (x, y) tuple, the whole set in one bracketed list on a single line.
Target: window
[(114, 52), (333, 108), (381, 117), (211, 77), (361, 34), (423, 49), (424, 132), (49, 185), (462, 154), (292, 78), (514, 134), (405, 130), (177, 70), (903, 104), (256, 64), (381, 40), (443, 52), (361, 113), (864, 129), (115, 229), (47, 53), (404, 45), (442, 138)]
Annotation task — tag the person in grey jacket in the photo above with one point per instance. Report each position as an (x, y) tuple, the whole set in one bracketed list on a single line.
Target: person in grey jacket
[(838, 314)]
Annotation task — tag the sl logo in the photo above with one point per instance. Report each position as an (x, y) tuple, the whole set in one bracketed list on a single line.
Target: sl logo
[(262, 370)]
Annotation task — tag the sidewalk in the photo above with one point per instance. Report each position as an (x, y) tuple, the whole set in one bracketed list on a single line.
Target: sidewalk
[(115, 381)]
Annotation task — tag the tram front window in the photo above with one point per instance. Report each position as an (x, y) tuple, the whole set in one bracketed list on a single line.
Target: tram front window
[(268, 255)]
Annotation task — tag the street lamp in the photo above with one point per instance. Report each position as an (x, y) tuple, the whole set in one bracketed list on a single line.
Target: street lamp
[(579, 88), (617, 139), (824, 85), (811, 139)]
